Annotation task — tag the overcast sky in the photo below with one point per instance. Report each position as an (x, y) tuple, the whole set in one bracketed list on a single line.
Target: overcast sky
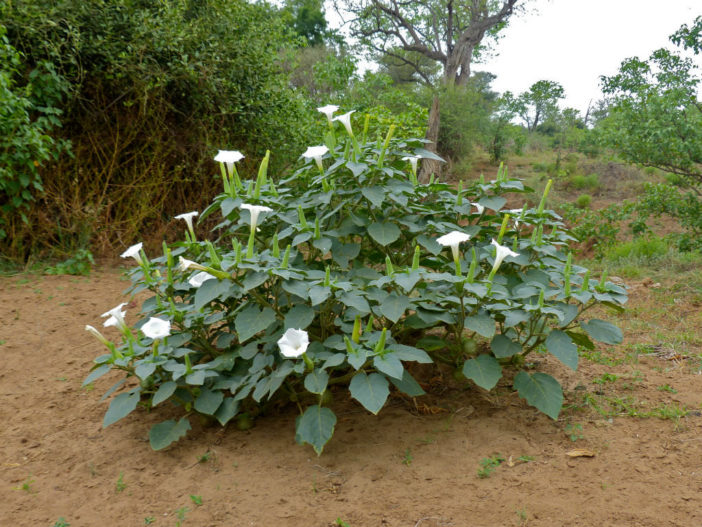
[(575, 41)]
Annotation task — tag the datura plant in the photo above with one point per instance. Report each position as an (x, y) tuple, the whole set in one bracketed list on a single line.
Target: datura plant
[(342, 275)]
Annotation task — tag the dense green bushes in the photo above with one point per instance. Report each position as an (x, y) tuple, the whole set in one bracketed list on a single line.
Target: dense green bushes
[(153, 85)]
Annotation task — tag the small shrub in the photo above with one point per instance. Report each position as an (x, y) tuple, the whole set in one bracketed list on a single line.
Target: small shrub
[(581, 182), (339, 275), (583, 201), (641, 249)]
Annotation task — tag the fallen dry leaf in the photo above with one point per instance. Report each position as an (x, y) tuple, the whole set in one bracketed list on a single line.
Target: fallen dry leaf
[(580, 452)]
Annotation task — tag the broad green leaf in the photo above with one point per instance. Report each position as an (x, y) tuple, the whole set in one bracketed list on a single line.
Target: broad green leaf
[(403, 352), (394, 306), (343, 252), (316, 427), (355, 301), (164, 392), (384, 233), (407, 281), (253, 280), (408, 385), (227, 410), (208, 401), (208, 291), (375, 195), (430, 244), (561, 346), (323, 244), (144, 370), (163, 434), (316, 381), (196, 378), (357, 359), (602, 331), (251, 321), (267, 386), (504, 347), (296, 287), (581, 340), (319, 294), (121, 406), (493, 202), (482, 324), (484, 371), (389, 364), (541, 391), (432, 343), (299, 317), (369, 390), (97, 373)]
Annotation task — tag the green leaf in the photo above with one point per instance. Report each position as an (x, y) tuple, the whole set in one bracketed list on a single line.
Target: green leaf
[(164, 392), (299, 317), (408, 385), (144, 370), (163, 434), (484, 371), (208, 291), (602, 331), (323, 244), (208, 401), (561, 346), (407, 281), (315, 427), (375, 195), (504, 347), (319, 294), (581, 340), (389, 364), (357, 359), (252, 280), (343, 252), (227, 410), (493, 202), (403, 352), (121, 406), (430, 244), (394, 306), (370, 390), (97, 373), (432, 343), (482, 324), (541, 391), (251, 321), (355, 301), (384, 233), (316, 381)]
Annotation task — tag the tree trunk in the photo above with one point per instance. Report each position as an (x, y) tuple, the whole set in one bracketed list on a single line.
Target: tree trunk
[(431, 166)]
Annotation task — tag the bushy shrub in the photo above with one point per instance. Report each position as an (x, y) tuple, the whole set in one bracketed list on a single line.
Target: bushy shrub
[(581, 182), (29, 113), (583, 201), (153, 85), (342, 275), (643, 249)]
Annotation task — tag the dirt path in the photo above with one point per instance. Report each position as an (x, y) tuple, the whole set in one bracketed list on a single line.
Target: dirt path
[(414, 465)]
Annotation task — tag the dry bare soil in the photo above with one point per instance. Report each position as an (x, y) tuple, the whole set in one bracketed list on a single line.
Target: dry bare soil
[(634, 408)]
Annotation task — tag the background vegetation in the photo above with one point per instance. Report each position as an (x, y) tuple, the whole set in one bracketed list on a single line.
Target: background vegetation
[(113, 110)]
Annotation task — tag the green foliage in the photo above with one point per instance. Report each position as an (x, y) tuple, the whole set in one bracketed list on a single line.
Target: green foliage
[(539, 103), (685, 206), (338, 280), (583, 201), (489, 464), (465, 120), (146, 79), (642, 249), (581, 182), (655, 116), (61, 522), (29, 112), (597, 228), (79, 264)]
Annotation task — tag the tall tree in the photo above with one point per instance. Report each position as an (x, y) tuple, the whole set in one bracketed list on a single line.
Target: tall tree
[(449, 32), (540, 102)]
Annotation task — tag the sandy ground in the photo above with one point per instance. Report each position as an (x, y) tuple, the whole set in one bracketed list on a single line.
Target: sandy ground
[(413, 465)]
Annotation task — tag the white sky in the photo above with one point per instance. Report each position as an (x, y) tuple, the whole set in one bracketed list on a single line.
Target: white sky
[(573, 42)]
